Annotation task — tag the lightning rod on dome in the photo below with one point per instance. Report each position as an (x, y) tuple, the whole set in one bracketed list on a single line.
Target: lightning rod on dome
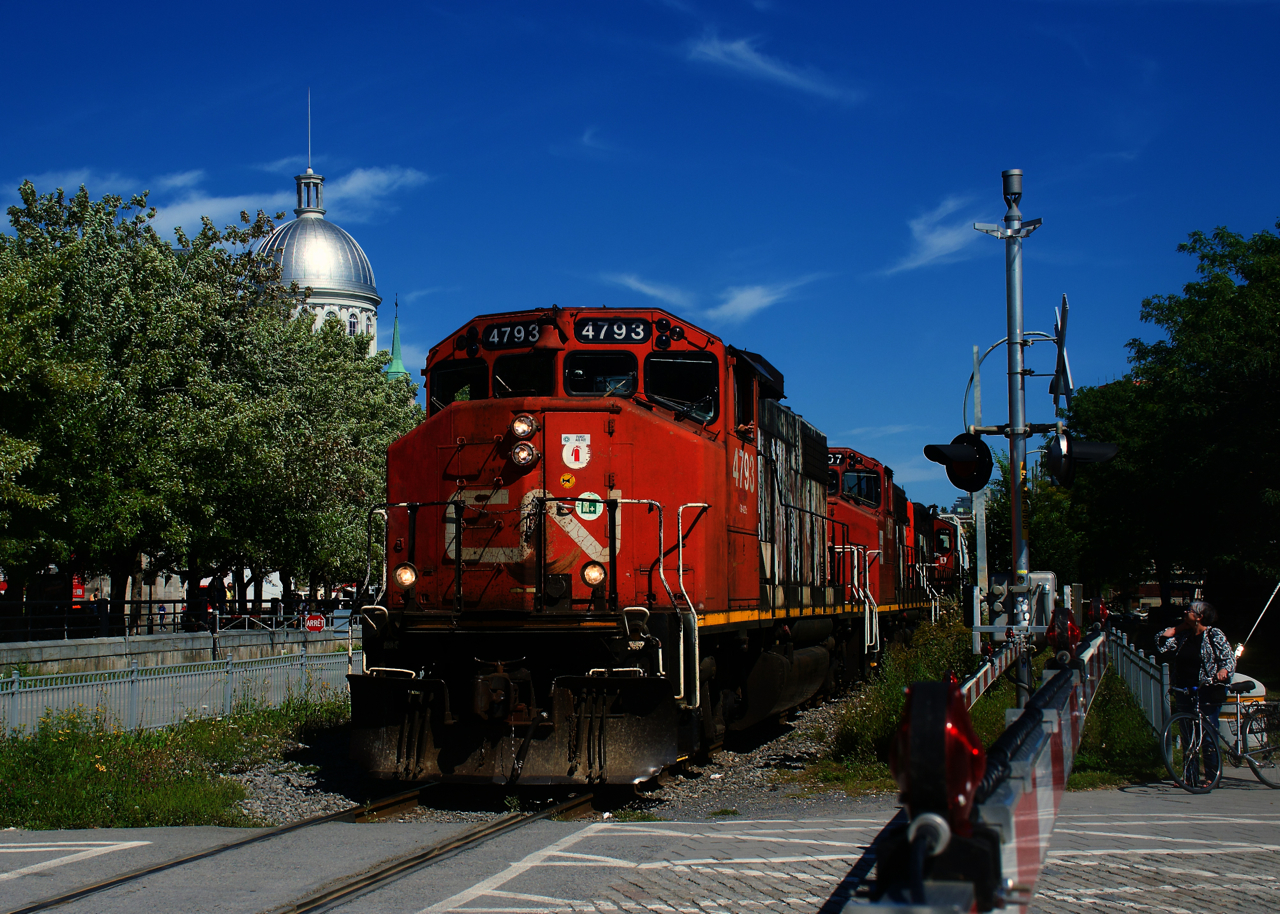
[(308, 128)]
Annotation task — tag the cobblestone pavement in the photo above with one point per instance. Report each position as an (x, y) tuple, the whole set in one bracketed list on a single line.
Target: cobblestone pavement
[(696, 866), (1158, 848), (764, 864)]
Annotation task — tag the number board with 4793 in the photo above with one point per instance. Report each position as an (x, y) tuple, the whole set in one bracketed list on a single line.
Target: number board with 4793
[(622, 330)]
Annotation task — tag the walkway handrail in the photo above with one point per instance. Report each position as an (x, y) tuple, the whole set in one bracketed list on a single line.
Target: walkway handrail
[(1148, 683), (151, 697)]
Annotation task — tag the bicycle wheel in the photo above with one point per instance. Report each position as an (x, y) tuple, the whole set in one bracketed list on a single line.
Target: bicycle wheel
[(1262, 745), (1181, 734)]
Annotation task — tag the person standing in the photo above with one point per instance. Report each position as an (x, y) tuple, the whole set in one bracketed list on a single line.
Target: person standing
[(1203, 659), (161, 611)]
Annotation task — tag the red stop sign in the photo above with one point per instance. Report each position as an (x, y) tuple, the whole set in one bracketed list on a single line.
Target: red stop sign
[(315, 622)]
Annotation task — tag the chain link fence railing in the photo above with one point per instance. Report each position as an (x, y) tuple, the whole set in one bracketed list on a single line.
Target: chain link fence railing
[(151, 697)]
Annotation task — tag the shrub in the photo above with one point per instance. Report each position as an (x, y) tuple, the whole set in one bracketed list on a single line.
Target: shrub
[(933, 651)]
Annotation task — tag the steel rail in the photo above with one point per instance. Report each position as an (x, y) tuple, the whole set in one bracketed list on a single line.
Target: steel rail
[(363, 812), (371, 879)]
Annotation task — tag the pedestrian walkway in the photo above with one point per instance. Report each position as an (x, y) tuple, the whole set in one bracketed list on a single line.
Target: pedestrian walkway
[(1158, 848)]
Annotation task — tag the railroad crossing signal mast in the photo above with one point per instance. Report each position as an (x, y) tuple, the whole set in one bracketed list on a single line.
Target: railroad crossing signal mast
[(1013, 232), (1028, 597)]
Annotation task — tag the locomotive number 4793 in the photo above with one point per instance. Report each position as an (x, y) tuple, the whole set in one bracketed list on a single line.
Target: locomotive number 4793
[(743, 471), (508, 336), (626, 330)]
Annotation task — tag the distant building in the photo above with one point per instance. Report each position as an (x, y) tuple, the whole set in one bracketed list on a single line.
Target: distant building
[(319, 255), (963, 505)]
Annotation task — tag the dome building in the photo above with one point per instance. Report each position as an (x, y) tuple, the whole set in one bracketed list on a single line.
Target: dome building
[(316, 253)]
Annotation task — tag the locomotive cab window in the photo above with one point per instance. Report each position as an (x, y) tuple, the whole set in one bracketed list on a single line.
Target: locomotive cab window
[(688, 382), (833, 482), (600, 374), (944, 541), (455, 381), (526, 374), (863, 486)]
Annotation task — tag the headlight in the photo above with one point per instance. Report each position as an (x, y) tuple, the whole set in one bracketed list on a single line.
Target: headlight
[(405, 575), (524, 426), (593, 574), (524, 454)]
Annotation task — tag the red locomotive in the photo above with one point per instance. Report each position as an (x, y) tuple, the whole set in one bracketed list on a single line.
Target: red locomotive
[(607, 544)]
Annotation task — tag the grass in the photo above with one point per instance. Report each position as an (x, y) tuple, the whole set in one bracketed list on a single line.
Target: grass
[(80, 770), (638, 815), (1117, 746), (858, 749)]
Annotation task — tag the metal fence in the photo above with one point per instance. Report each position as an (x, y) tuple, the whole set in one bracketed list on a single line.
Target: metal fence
[(151, 697), (1148, 682), (59, 620)]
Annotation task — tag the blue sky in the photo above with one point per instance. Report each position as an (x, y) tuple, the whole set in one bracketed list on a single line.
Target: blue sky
[(800, 178)]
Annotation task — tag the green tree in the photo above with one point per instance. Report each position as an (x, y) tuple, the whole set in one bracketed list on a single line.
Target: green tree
[(1053, 539), (162, 398), (1197, 486)]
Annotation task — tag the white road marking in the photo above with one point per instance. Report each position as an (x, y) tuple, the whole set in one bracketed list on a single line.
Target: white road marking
[(486, 886), (1219, 843), (742, 861), (90, 849), (1164, 851), (558, 854)]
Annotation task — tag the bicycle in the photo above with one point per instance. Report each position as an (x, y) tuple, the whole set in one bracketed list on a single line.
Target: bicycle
[(1256, 742)]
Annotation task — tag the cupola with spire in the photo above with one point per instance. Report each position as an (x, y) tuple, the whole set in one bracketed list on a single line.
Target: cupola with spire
[(319, 255)]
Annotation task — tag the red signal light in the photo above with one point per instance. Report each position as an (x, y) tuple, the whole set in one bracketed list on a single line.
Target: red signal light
[(936, 757)]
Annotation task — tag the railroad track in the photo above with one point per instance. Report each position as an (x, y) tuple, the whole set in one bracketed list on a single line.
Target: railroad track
[(352, 886)]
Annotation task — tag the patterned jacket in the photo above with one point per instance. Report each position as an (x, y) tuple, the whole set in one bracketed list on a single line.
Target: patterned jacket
[(1215, 652)]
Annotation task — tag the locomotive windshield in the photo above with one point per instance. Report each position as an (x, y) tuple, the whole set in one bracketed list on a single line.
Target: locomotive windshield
[(528, 374), (600, 374), (454, 381), (688, 382), (863, 486), (944, 541)]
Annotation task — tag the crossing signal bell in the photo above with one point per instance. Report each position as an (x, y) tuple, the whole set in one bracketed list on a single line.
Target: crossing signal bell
[(1064, 452), (967, 459)]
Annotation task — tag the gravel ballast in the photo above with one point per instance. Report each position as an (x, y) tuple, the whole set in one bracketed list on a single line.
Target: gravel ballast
[(748, 777)]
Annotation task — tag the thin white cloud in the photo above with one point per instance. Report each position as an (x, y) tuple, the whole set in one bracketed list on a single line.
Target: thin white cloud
[(591, 140), (741, 302), (741, 56), (361, 194), (665, 293), (355, 197), (179, 179), (917, 469), (880, 431), (188, 210), (410, 297), (938, 238), (289, 164), (70, 180)]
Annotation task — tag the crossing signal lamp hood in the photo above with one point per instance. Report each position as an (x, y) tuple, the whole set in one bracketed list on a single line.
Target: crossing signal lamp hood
[(1064, 452), (967, 459)]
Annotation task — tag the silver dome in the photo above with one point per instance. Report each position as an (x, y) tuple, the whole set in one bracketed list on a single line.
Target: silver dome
[(314, 252)]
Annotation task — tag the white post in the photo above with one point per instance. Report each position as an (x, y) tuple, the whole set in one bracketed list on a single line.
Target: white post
[(228, 690), (131, 714)]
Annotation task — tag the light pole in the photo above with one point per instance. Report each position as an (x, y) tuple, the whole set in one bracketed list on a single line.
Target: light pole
[(1015, 229)]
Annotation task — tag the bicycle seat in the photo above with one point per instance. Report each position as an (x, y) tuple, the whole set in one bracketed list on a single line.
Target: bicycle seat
[(1239, 688)]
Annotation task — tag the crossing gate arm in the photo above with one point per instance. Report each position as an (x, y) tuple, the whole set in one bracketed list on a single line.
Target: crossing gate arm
[(1015, 805), (989, 672)]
